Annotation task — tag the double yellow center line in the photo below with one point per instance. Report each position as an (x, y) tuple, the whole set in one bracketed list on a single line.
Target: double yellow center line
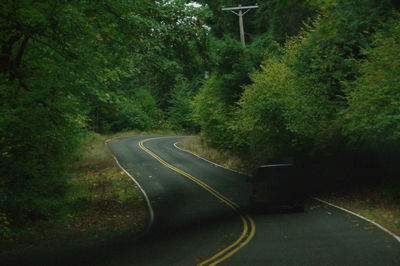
[(249, 227)]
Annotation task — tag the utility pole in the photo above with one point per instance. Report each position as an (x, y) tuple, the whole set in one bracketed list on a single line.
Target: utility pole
[(240, 13)]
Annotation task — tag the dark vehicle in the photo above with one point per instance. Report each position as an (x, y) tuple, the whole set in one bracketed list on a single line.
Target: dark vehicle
[(275, 187)]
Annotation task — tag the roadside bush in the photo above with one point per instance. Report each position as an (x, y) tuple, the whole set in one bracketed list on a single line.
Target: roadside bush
[(298, 102), (260, 119), (373, 112), (180, 113), (5, 231), (213, 114), (372, 118), (120, 113), (40, 134), (324, 59)]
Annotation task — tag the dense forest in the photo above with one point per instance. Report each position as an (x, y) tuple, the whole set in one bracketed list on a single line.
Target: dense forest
[(317, 81)]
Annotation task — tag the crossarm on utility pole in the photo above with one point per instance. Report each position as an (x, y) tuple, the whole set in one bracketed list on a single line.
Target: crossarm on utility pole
[(238, 8)]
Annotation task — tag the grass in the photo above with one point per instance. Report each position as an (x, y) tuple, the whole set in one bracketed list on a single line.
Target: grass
[(106, 200), (143, 133), (370, 203), (199, 147), (373, 203), (103, 203)]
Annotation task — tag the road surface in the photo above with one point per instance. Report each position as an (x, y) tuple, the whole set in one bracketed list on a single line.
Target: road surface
[(199, 216)]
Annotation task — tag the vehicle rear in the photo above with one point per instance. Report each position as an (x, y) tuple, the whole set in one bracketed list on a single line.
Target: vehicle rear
[(277, 187)]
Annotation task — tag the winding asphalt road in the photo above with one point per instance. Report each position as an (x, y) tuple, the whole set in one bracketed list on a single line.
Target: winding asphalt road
[(199, 217), (191, 224)]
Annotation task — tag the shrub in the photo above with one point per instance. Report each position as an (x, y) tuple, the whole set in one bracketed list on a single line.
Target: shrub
[(261, 126), (373, 98), (213, 114)]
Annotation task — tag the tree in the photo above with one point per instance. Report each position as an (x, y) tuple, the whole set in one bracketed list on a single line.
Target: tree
[(180, 111), (213, 114), (260, 124), (372, 115), (63, 67)]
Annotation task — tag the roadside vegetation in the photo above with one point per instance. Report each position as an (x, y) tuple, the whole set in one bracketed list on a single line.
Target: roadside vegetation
[(377, 204), (320, 91), (102, 203), (69, 68), (199, 146)]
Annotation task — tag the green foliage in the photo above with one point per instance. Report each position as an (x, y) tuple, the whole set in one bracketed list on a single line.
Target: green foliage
[(233, 63), (265, 27), (5, 231), (67, 66), (279, 19), (260, 120), (325, 57), (44, 56), (213, 114), (372, 115), (180, 111), (328, 93), (38, 142), (309, 96), (176, 46), (121, 112)]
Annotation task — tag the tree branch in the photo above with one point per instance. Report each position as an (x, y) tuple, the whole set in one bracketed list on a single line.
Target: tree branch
[(21, 51)]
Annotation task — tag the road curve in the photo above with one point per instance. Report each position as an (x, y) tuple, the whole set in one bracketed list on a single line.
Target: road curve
[(248, 224), (191, 225), (321, 236)]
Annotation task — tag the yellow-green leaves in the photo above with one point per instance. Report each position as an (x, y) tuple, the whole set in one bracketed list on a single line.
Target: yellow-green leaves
[(373, 112)]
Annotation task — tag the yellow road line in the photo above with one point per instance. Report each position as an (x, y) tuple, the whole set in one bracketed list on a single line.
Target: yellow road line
[(247, 221)]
